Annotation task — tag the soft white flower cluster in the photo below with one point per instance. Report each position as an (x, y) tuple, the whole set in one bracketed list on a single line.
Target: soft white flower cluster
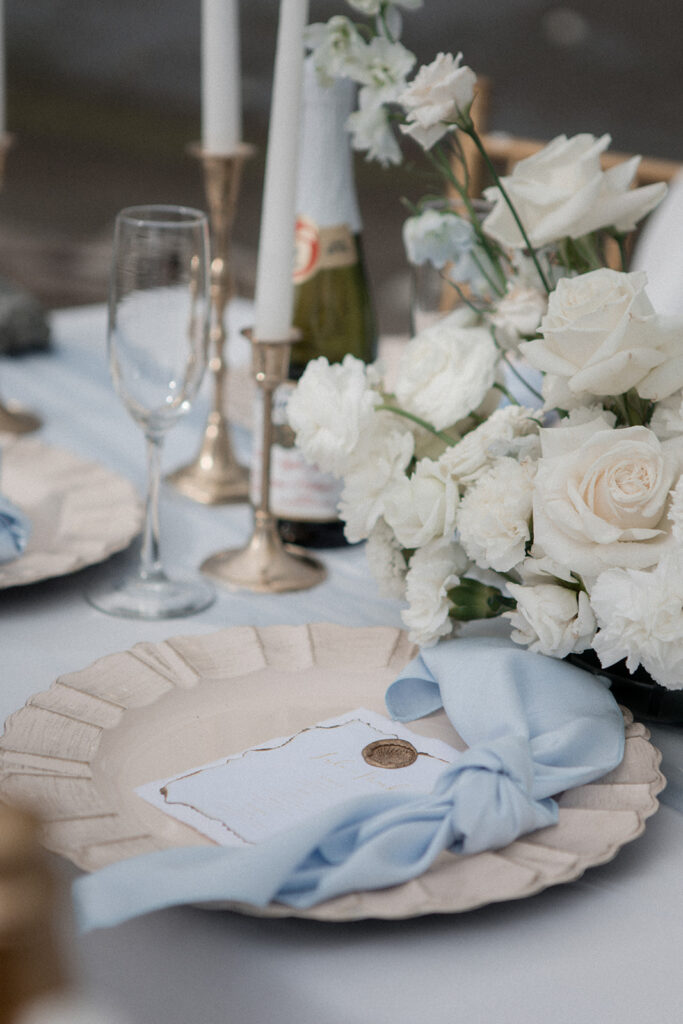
[(574, 507)]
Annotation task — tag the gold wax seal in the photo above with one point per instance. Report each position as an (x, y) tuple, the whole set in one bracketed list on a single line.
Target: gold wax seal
[(393, 753)]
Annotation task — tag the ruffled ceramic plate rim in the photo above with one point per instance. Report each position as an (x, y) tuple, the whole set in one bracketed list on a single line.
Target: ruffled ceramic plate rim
[(67, 750), (102, 512)]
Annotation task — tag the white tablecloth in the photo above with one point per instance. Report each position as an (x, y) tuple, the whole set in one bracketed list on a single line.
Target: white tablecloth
[(601, 950)]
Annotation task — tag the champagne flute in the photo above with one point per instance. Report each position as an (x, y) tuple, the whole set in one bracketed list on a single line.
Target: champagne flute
[(157, 340)]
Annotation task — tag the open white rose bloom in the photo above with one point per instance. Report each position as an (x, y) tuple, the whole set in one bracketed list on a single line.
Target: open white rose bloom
[(528, 459)]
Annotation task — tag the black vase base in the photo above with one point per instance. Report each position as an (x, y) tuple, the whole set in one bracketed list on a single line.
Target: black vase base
[(637, 691)]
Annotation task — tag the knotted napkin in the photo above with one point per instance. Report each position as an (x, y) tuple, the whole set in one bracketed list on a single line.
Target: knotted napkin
[(534, 727), (14, 530)]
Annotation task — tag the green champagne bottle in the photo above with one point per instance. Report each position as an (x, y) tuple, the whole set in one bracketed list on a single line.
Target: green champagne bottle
[(332, 303)]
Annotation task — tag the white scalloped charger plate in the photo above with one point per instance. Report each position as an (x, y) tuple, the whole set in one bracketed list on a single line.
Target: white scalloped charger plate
[(78, 751), (80, 512)]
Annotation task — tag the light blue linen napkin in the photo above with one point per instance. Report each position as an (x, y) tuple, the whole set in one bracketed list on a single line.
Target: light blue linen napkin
[(14, 530), (534, 726)]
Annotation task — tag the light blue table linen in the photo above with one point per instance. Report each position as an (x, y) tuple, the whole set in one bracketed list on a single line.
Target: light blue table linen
[(534, 727)]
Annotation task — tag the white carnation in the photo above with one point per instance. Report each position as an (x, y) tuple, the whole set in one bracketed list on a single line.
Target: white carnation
[(331, 408), (422, 507), (386, 561), (494, 515), (496, 436), (380, 459), (438, 97), (640, 615), (518, 315), (446, 371), (667, 419), (433, 570), (551, 619)]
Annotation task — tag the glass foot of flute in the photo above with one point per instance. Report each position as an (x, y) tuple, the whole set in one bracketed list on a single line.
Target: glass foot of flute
[(266, 565)]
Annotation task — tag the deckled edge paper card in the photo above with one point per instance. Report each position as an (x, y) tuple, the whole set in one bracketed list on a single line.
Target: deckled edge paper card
[(250, 796)]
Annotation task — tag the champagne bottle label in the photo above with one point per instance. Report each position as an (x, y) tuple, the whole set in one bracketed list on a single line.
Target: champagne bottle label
[(298, 491), (322, 248)]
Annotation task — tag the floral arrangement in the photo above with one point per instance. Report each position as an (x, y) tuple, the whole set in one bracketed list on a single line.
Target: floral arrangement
[(563, 514)]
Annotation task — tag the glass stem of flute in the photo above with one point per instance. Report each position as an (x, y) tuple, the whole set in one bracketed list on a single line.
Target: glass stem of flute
[(150, 555)]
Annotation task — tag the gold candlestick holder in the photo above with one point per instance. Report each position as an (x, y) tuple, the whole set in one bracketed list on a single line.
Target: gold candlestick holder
[(266, 564), (13, 419), (215, 477)]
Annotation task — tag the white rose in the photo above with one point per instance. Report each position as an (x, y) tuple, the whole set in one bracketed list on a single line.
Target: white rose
[(331, 408), (438, 97), (551, 619), (601, 496), (518, 315), (371, 131), (600, 333), (562, 192), (386, 561), (446, 371), (471, 456), (640, 615), (380, 459), (494, 515), (423, 506), (433, 570)]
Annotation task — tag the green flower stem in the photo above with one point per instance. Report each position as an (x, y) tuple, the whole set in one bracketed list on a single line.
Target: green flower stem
[(472, 599), (463, 297), (504, 391), (469, 128), (446, 438)]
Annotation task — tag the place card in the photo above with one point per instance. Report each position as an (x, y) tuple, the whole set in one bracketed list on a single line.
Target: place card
[(248, 797)]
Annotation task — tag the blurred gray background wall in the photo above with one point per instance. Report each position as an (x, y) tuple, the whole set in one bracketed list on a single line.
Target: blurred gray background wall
[(103, 96)]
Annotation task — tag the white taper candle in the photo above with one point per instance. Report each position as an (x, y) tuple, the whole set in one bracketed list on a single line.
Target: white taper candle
[(274, 286), (221, 92)]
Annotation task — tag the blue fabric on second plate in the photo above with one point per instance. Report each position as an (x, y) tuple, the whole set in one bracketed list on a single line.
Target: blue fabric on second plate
[(14, 531), (534, 727)]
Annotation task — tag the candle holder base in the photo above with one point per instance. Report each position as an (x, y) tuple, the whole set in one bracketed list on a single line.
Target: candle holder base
[(265, 565), (15, 420), (214, 477)]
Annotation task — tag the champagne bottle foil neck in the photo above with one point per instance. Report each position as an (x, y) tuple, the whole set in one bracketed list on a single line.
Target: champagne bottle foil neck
[(326, 190)]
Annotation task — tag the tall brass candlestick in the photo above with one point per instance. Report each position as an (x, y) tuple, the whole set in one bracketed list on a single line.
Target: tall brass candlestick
[(266, 565), (215, 477), (13, 420)]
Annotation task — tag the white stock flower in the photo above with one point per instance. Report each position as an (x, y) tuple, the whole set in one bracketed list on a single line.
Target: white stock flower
[(446, 371), (371, 131), (381, 457), (518, 315), (369, 7), (385, 560), (422, 507), (439, 96), (433, 570), (337, 48), (601, 496), (331, 408), (640, 615), (551, 619), (384, 67), (472, 455), (563, 192), (600, 334), (494, 515)]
